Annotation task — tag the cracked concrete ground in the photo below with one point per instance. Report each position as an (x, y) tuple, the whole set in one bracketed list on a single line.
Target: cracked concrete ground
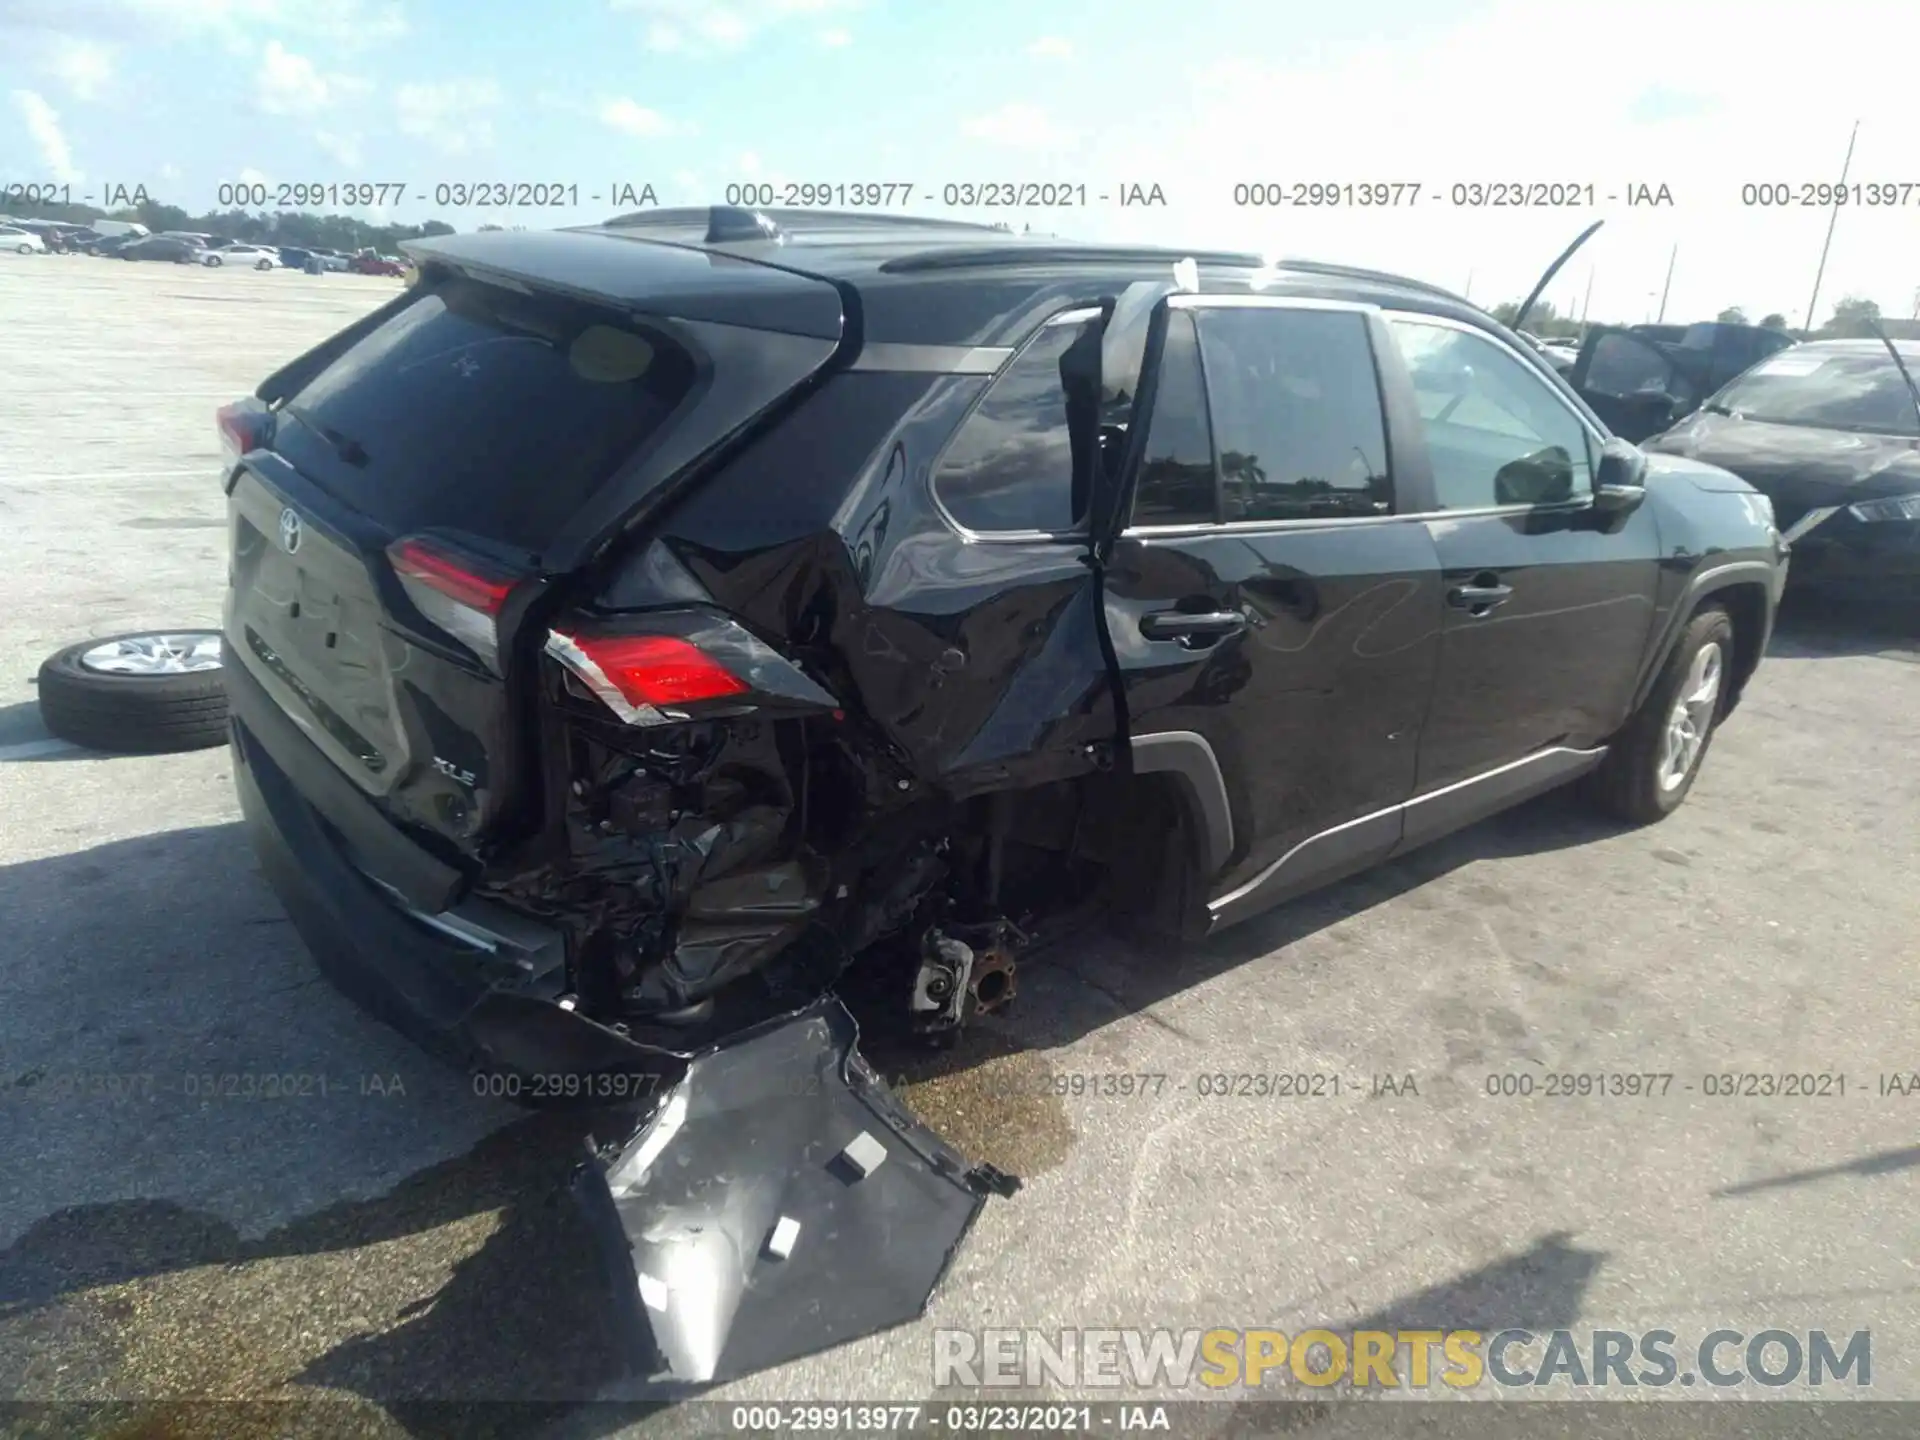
[(363, 1227)]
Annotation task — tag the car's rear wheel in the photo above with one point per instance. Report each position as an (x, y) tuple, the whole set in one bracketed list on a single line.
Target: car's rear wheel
[(144, 693), (1653, 762)]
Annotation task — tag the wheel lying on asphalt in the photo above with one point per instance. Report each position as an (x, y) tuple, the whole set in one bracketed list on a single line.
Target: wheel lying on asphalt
[(146, 693)]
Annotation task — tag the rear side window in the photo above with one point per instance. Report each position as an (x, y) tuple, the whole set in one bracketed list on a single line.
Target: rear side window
[(1010, 467), (1297, 421), (484, 410)]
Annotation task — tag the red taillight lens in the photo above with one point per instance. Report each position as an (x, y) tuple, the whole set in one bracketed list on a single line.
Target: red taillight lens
[(661, 670), (464, 581), (460, 593), (244, 425), (636, 674)]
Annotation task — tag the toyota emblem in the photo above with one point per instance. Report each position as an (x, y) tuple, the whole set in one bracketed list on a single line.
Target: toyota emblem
[(289, 531)]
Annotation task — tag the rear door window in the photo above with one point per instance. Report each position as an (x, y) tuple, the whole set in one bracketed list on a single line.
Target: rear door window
[(485, 410), (1297, 418)]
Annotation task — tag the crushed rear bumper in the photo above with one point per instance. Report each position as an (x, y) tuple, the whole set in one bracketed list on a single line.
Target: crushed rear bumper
[(757, 1200)]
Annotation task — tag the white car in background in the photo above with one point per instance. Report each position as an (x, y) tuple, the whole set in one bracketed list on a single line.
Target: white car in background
[(258, 257), (23, 241)]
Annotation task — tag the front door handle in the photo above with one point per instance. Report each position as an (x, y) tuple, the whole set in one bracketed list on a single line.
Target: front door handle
[(1205, 627), (1480, 595)]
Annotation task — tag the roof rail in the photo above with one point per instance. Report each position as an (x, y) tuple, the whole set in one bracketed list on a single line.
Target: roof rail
[(1009, 254), (1354, 272), (725, 224)]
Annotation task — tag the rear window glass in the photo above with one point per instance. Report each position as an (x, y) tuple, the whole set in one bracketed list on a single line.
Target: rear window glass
[(1827, 390), (484, 410)]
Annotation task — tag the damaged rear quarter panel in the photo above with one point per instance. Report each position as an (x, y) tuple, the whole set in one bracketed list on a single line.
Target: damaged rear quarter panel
[(979, 662)]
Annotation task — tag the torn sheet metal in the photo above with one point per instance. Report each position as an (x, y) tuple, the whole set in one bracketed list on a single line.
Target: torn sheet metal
[(779, 1201)]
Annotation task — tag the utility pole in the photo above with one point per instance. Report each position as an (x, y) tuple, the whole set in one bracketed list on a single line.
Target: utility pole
[(1669, 285), (1469, 294), (1588, 302), (1832, 220)]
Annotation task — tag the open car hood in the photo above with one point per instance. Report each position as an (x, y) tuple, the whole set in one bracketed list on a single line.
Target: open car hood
[(779, 1200)]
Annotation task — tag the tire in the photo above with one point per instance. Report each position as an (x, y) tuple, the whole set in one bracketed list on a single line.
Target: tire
[(264, 265), (135, 713), (26, 249), (1642, 779), (214, 261)]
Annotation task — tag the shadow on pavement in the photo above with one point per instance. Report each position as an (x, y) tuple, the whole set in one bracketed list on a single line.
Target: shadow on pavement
[(1814, 624), (1885, 1162)]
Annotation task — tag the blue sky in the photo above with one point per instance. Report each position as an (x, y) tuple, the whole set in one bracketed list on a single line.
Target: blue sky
[(1195, 96)]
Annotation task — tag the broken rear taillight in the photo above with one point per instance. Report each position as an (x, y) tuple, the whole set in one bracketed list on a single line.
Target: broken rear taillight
[(459, 592), (635, 675)]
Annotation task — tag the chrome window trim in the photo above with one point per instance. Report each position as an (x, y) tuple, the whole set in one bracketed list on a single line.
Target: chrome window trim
[(1250, 527), (932, 359), (1188, 300)]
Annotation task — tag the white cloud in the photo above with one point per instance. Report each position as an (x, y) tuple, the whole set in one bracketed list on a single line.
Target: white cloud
[(169, 171), (43, 124), (251, 176), (838, 38), (749, 165), (451, 115), (702, 26), (290, 84), (630, 117), (85, 67), (1051, 47), (345, 149), (1017, 124)]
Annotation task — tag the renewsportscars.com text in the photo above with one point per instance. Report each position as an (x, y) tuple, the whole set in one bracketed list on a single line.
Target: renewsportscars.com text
[(1505, 1359)]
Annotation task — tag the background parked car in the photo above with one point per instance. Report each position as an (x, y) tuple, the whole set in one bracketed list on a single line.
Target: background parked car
[(1829, 431), (21, 240), (1642, 378), (122, 228), (162, 247), (256, 257), (367, 262)]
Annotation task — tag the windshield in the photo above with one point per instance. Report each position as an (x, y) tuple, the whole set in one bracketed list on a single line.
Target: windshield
[(1830, 390)]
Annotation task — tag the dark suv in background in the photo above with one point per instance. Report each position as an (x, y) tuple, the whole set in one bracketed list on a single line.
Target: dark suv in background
[(642, 637)]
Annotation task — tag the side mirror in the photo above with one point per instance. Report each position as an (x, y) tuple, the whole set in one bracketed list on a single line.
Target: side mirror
[(1542, 478), (1620, 479)]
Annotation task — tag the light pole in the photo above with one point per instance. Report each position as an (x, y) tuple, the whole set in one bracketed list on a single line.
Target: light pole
[(1820, 273), (1667, 289)]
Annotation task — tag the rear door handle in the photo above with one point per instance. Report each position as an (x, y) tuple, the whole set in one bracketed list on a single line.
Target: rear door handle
[(1479, 596), (1207, 626)]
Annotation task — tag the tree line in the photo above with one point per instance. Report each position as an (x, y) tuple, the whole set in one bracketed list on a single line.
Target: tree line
[(283, 227)]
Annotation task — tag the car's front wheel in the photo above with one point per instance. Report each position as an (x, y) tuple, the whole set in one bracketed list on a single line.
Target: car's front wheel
[(264, 265), (1655, 759), (215, 260), (25, 249)]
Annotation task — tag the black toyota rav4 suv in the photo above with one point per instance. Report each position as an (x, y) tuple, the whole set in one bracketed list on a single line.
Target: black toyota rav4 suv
[(651, 644)]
